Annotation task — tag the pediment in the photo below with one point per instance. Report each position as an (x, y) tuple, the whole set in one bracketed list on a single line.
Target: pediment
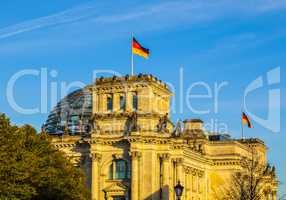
[(116, 187)]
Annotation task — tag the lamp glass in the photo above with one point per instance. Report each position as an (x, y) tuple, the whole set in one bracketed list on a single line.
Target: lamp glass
[(179, 189)]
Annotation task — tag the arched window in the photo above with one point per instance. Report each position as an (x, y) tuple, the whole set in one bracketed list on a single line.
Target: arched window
[(119, 169)]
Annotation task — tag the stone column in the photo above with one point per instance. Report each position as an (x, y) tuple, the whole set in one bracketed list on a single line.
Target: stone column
[(129, 102), (166, 176), (194, 181), (135, 155), (200, 181), (96, 158), (187, 186), (115, 102), (102, 103), (95, 103), (179, 164)]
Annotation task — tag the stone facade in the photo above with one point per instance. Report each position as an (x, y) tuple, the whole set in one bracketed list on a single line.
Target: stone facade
[(135, 152)]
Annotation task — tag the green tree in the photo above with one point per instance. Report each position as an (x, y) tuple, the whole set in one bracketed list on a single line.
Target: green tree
[(30, 168)]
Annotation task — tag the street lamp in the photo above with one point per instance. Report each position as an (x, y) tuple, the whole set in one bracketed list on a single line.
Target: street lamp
[(179, 190)]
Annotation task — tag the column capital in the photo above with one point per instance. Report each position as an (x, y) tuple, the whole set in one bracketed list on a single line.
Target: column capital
[(187, 169), (164, 156), (135, 155), (179, 161), (95, 157), (117, 156), (200, 174)]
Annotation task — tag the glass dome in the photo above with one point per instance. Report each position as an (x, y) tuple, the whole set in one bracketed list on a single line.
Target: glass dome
[(73, 113)]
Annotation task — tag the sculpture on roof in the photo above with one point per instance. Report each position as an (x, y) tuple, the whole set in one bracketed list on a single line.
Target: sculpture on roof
[(162, 125), (131, 123), (178, 129)]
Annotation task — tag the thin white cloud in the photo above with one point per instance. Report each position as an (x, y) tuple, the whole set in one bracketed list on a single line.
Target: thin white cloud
[(193, 11), (67, 16), (159, 15)]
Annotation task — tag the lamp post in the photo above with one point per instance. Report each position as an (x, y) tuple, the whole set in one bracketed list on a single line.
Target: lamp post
[(179, 190)]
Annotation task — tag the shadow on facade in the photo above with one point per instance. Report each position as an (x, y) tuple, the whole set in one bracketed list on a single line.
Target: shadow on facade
[(84, 161), (160, 194)]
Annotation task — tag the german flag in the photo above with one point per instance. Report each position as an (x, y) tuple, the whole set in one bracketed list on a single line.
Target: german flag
[(245, 120), (138, 49)]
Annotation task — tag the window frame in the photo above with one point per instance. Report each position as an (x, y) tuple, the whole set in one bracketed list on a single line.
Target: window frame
[(122, 102), (109, 103), (113, 170)]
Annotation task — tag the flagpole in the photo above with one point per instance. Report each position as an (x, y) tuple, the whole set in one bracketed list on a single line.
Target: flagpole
[(242, 108), (132, 66)]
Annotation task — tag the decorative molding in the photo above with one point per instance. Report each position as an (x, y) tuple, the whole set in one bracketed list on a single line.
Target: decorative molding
[(231, 163), (64, 145), (126, 114), (116, 188), (193, 171), (137, 81)]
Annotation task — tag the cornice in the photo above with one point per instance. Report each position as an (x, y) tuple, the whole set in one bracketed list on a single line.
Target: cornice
[(197, 157), (227, 163), (110, 139), (228, 142), (194, 171), (174, 143), (117, 88), (124, 114), (137, 79)]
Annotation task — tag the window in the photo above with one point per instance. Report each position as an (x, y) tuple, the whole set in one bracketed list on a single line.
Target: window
[(119, 169), (135, 101), (109, 103), (122, 103)]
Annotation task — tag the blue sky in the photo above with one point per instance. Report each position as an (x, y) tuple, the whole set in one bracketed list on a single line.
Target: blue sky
[(212, 41)]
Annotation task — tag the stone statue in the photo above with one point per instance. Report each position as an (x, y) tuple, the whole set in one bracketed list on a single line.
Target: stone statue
[(131, 123), (162, 125), (178, 129)]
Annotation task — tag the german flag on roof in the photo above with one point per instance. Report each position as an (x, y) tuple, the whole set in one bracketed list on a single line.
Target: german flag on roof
[(138, 49), (245, 120)]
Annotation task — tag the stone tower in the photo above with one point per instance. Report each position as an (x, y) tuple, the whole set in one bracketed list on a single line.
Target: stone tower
[(122, 105)]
